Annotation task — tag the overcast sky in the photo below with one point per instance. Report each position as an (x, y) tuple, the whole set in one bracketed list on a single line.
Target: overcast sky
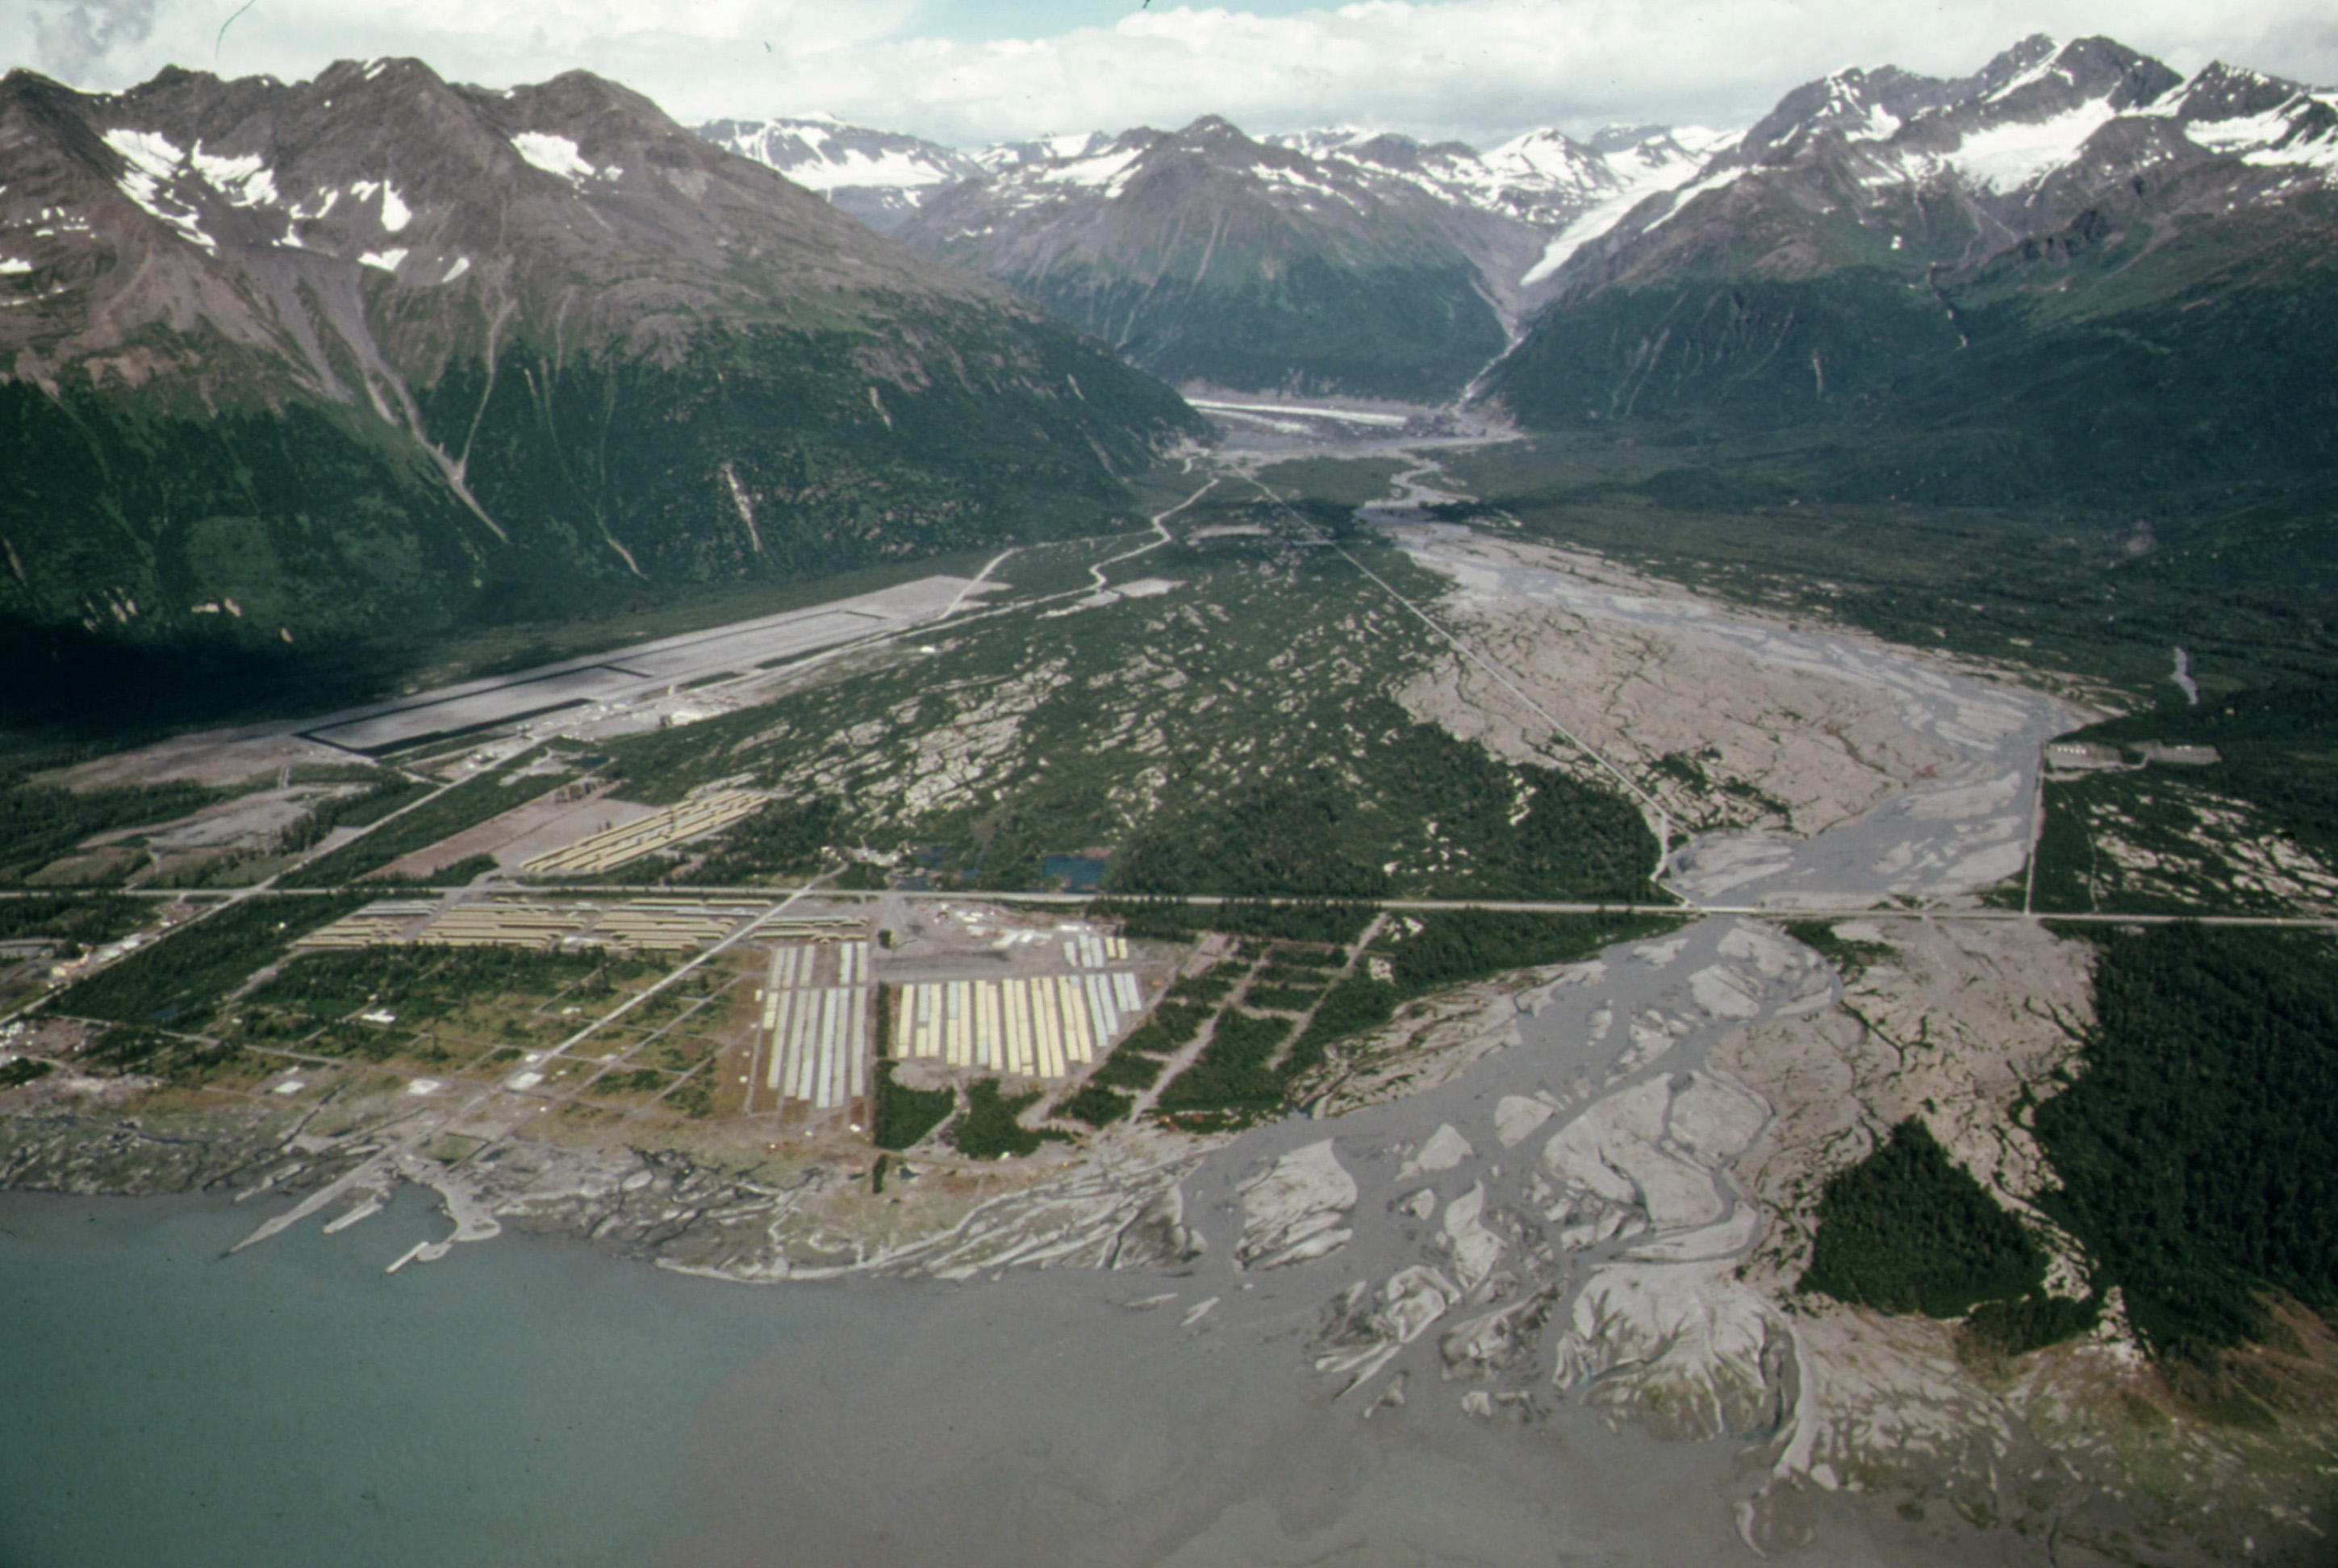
[(970, 72)]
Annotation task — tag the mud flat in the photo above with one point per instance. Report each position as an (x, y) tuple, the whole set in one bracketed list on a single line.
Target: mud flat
[(1907, 776)]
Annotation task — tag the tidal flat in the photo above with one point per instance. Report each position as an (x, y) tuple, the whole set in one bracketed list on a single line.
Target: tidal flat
[(538, 1403)]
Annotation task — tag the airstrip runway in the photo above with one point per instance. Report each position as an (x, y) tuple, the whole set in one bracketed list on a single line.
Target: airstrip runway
[(646, 669)]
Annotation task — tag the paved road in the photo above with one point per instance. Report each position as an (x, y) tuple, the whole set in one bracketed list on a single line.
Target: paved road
[(1080, 900)]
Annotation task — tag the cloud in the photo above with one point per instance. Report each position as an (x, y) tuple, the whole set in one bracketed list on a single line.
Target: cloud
[(1478, 69), (71, 40), (1485, 68)]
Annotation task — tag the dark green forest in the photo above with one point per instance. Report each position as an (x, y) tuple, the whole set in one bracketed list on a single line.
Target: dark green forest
[(900, 1116), (430, 980), (989, 1129), (1907, 1229), (2272, 745), (2194, 1158), (2196, 1150), (84, 919), (1310, 837), (180, 979)]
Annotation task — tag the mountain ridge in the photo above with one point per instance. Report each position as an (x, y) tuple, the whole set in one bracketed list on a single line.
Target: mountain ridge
[(2069, 203), (377, 353)]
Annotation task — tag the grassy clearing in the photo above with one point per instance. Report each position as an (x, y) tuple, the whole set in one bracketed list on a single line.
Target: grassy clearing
[(420, 984), (153, 1052), (40, 823), (1339, 481)]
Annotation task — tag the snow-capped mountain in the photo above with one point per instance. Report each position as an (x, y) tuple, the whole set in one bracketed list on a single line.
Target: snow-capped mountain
[(378, 352), (2074, 217), (2038, 134), (1212, 258), (1150, 238), (1001, 156), (877, 176), (1544, 177), (1494, 225), (1634, 165)]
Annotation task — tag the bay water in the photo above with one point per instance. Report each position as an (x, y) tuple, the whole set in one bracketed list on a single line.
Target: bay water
[(517, 1403)]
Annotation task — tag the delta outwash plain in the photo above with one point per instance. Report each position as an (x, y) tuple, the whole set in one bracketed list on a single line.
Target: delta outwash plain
[(1520, 1283)]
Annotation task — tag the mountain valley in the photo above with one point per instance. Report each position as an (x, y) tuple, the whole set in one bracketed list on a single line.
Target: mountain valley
[(1656, 798)]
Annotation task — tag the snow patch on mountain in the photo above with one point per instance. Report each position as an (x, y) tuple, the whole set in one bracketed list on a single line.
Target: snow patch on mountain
[(246, 181), (2321, 154), (151, 155), (154, 163), (1849, 112), (395, 213), (850, 166), (2038, 73), (1321, 142), (1659, 162), (1104, 170), (554, 156), (1002, 156), (2015, 154), (879, 176)]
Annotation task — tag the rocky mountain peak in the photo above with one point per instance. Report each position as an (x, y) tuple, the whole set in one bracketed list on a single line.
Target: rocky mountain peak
[(269, 213), (1390, 150), (1887, 169), (2085, 70), (2222, 92), (1855, 105), (2011, 64), (1226, 146)]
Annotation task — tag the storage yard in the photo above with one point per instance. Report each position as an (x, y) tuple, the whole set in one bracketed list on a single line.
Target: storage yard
[(611, 847), (974, 989), (1039, 1026), (812, 1041), (665, 925)]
